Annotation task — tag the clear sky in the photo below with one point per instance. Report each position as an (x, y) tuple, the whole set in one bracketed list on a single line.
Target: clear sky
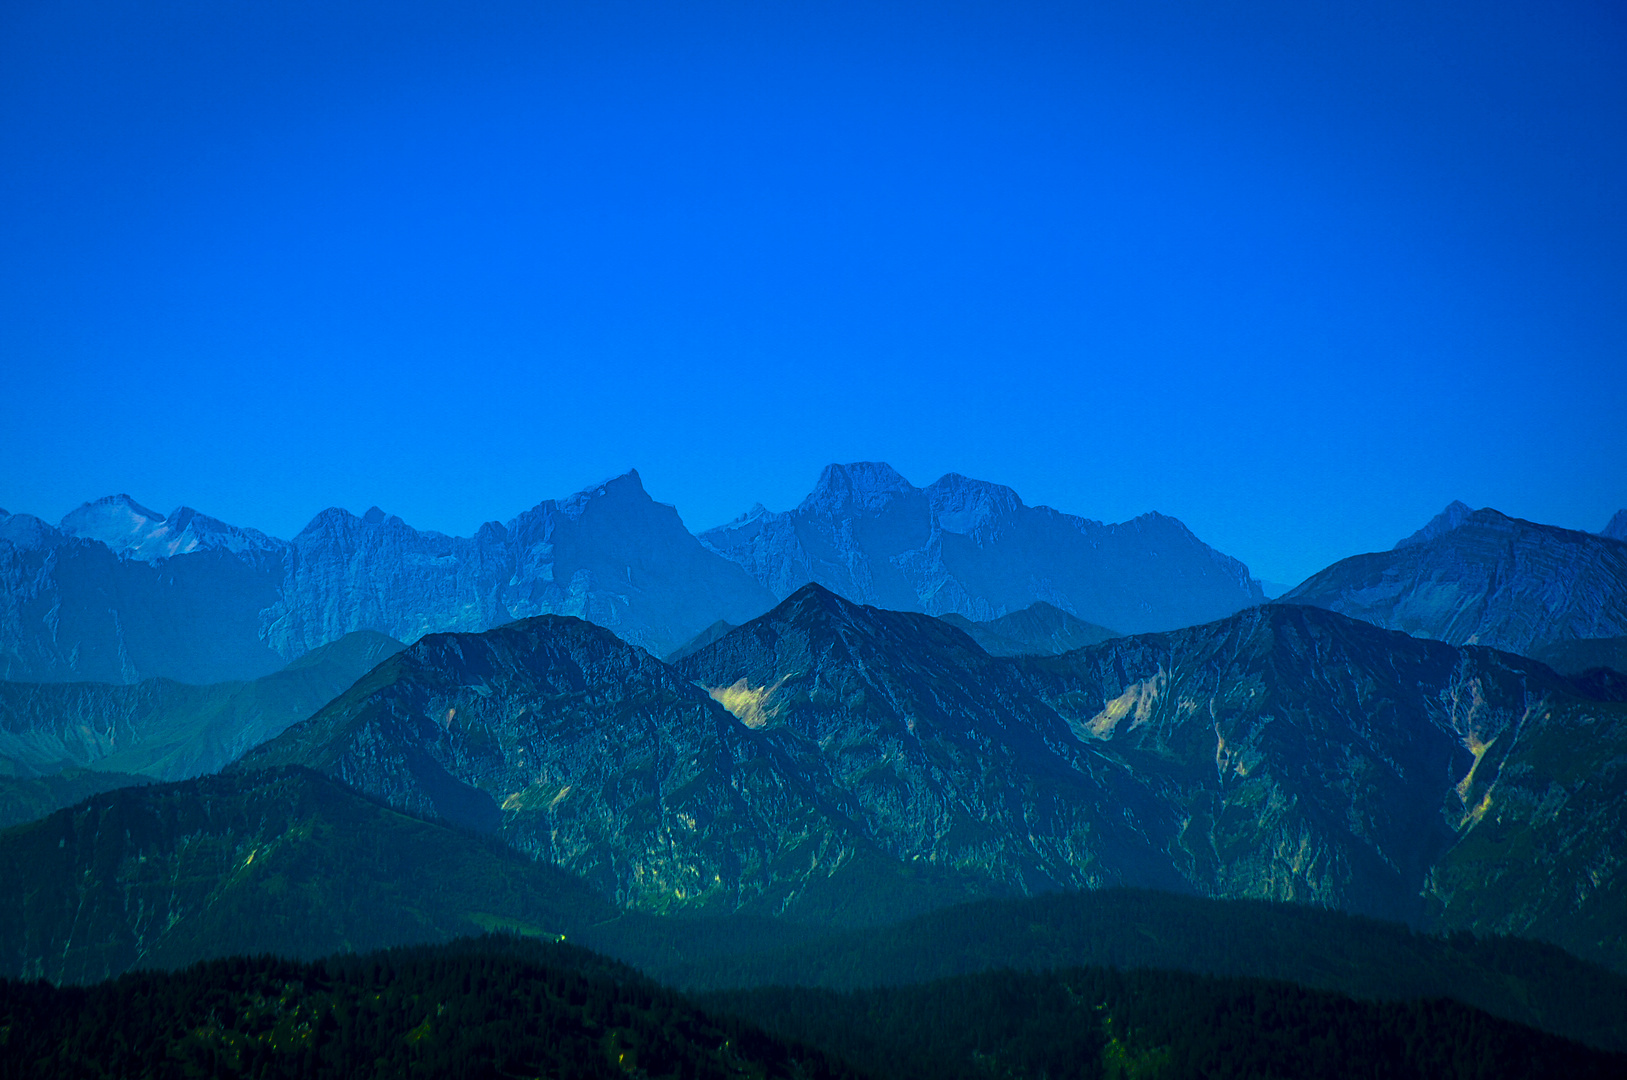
[(1298, 274)]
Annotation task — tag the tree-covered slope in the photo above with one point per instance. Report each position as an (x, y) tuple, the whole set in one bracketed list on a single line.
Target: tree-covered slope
[(488, 1008), (168, 730), (1525, 981), (284, 861), (1104, 1023)]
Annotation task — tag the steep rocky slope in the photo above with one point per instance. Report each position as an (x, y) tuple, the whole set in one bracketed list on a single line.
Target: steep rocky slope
[(973, 548), (831, 753), (1480, 577), (588, 753)]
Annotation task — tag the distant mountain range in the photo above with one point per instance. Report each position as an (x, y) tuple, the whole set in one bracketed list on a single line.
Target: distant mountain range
[(972, 548), (1481, 577), (118, 593)]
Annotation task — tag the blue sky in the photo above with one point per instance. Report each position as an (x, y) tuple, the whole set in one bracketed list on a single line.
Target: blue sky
[(1296, 274)]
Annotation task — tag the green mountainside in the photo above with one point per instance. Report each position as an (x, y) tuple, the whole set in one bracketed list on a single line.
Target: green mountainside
[(1525, 981), (28, 798), (487, 1008), (285, 861), (844, 765), (500, 1006), (167, 730), (1112, 1024)]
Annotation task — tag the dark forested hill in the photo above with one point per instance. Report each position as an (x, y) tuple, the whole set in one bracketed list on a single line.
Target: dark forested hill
[(1525, 981), (488, 1008), (1103, 1023)]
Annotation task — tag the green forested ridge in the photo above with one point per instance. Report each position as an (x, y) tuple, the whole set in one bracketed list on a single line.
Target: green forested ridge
[(29, 798), (502, 1006), (1526, 981), (1096, 1022), (495, 1007), (285, 861), (167, 730)]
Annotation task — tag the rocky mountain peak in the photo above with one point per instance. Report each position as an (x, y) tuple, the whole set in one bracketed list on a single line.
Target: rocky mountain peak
[(859, 485), (1442, 523), (1616, 528), (112, 519), (374, 516)]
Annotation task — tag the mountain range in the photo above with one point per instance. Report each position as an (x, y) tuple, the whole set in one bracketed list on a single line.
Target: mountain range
[(972, 548), (119, 593), (840, 763), (886, 704)]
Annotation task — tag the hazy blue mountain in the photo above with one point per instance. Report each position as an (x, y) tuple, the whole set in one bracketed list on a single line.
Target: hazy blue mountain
[(1584, 654), (167, 730), (120, 593), (611, 555), (700, 640), (71, 609), (132, 531), (1616, 527), (1039, 628), (972, 548), (1484, 578)]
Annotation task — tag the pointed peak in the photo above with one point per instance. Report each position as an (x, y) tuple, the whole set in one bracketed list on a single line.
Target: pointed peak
[(1615, 528), (1455, 514), (863, 485), (109, 510), (374, 516)]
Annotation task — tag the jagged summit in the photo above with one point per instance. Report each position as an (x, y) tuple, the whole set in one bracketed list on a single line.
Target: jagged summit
[(111, 519), (133, 531), (1455, 514), (1615, 528), (860, 485), (973, 548)]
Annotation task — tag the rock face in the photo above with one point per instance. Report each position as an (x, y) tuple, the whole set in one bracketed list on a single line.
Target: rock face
[(1038, 630), (585, 752), (1616, 527), (1480, 577), (829, 748), (120, 593), (132, 531), (973, 548)]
